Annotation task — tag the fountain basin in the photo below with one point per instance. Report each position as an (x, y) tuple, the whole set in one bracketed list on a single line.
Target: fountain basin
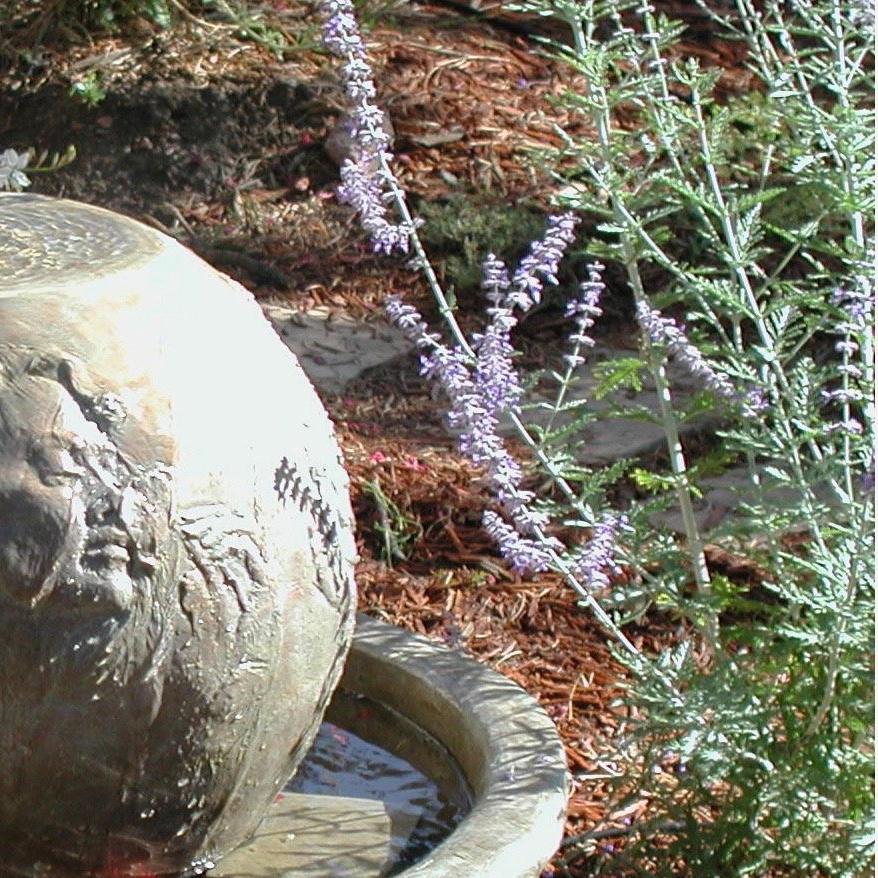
[(492, 756)]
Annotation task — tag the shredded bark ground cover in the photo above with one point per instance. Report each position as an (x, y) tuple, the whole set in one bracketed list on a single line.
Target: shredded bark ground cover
[(212, 138)]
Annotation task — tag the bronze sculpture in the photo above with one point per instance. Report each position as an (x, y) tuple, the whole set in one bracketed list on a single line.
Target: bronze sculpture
[(176, 551)]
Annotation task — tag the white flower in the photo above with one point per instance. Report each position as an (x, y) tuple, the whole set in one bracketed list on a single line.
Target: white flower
[(12, 165)]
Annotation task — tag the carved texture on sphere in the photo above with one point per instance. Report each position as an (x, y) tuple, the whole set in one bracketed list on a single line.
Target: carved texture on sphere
[(176, 551)]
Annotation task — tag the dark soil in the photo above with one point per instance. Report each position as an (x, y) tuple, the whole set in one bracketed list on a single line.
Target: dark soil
[(154, 142)]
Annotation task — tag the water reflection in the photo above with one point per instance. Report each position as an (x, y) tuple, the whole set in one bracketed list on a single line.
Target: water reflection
[(420, 787)]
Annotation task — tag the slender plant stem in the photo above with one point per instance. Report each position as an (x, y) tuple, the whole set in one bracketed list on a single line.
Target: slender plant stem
[(655, 362)]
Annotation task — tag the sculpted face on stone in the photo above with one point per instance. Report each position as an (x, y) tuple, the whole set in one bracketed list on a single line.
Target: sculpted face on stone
[(78, 527), (176, 552)]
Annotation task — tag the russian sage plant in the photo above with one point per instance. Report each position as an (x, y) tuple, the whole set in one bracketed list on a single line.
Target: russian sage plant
[(749, 745)]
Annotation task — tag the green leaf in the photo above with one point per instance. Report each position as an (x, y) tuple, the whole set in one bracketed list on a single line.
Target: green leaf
[(158, 11), (750, 199), (619, 373), (652, 482)]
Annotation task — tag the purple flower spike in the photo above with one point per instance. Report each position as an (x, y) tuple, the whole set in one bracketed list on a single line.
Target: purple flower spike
[(755, 402), (663, 331), (842, 395), (584, 308), (495, 279), (847, 348), (541, 264), (652, 323), (477, 392), (494, 372), (409, 320), (523, 554), (851, 426), (362, 188), (592, 561), (471, 411), (857, 303), (365, 176)]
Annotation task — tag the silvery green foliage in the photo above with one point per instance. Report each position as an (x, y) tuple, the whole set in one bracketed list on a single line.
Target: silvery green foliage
[(750, 215)]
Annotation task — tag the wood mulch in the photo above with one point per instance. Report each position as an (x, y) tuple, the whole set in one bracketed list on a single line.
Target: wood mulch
[(454, 589)]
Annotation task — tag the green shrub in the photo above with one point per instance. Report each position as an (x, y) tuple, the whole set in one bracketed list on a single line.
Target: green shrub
[(460, 230), (747, 749)]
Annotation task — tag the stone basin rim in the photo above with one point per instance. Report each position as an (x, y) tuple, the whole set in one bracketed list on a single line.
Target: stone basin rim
[(506, 745)]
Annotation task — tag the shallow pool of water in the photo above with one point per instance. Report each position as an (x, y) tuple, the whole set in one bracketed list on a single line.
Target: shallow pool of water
[(410, 773), (373, 796)]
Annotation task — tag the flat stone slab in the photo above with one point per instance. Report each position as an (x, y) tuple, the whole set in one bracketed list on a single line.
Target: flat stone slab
[(611, 438), (723, 496), (333, 348), (319, 836)]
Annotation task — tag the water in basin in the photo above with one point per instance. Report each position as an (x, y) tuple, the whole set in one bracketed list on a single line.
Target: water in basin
[(374, 795)]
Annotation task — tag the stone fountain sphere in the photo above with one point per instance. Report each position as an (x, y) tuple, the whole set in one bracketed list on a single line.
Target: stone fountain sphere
[(176, 551)]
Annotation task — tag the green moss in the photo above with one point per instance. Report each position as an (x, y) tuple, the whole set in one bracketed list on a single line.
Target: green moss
[(462, 230)]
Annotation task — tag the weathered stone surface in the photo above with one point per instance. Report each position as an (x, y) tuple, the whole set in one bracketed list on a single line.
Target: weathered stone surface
[(503, 745), (176, 550), (336, 349), (307, 836)]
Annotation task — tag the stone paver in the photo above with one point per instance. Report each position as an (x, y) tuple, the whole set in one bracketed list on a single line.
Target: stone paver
[(335, 349), (611, 438), (723, 495)]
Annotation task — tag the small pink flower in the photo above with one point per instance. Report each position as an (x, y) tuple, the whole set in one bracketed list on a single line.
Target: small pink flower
[(378, 457)]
